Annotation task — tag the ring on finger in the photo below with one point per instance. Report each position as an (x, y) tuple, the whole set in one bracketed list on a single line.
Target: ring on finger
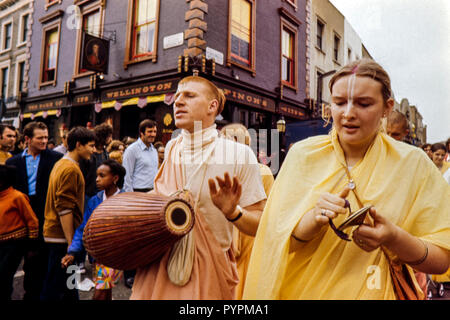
[(323, 212), (360, 242)]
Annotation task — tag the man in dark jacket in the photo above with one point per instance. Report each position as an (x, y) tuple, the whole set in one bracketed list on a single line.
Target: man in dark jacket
[(34, 165)]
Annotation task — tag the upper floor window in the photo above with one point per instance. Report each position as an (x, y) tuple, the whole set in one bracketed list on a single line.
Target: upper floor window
[(91, 24), (288, 53), (7, 36), (241, 33), (49, 53), (21, 75), (144, 24), (337, 42), (142, 28), (320, 28), (24, 28), (349, 54), (4, 75)]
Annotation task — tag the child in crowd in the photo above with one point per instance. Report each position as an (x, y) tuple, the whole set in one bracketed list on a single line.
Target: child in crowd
[(110, 178), (17, 223)]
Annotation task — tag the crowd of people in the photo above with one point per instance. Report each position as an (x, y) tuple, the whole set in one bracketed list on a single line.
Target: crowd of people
[(43, 185), (254, 237)]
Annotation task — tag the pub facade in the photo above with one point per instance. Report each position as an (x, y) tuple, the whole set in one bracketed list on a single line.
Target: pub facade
[(255, 51)]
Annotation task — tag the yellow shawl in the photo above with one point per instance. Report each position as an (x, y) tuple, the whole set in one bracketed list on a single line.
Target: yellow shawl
[(398, 179)]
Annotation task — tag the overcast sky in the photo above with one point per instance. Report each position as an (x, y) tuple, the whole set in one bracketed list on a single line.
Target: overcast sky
[(411, 40)]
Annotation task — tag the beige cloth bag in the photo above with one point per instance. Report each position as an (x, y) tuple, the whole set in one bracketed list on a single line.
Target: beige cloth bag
[(181, 259)]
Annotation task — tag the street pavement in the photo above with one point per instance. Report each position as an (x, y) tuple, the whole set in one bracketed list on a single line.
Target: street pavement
[(119, 292)]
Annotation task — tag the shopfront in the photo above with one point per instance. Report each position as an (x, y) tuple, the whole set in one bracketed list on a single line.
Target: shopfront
[(52, 112)]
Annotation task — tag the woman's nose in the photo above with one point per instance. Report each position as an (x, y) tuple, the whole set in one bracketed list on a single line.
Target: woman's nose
[(349, 108)]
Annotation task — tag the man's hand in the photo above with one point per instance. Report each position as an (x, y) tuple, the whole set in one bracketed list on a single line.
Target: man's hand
[(226, 198)]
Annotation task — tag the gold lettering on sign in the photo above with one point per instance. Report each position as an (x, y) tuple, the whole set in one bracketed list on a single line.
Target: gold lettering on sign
[(139, 90)]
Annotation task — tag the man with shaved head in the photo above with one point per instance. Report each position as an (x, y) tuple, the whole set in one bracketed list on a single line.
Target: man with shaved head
[(397, 125)]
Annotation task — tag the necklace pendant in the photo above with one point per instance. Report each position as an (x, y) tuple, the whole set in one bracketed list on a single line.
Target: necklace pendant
[(351, 184)]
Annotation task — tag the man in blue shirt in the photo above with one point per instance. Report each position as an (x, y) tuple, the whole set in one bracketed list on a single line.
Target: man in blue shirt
[(141, 159), (34, 165)]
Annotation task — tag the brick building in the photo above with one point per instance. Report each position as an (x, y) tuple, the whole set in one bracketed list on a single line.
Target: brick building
[(258, 49)]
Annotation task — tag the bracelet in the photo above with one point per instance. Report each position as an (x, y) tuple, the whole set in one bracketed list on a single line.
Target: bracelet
[(238, 216), (298, 239), (421, 260)]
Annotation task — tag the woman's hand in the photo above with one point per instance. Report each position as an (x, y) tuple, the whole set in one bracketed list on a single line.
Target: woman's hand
[(327, 207), (369, 238), (228, 195), (67, 260)]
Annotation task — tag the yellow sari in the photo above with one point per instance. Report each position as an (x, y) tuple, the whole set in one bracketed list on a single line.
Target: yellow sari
[(398, 179)]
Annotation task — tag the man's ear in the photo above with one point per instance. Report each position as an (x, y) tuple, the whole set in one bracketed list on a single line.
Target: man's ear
[(390, 106), (213, 106)]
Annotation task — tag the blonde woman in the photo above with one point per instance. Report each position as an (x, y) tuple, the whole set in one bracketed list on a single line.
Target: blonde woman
[(298, 255)]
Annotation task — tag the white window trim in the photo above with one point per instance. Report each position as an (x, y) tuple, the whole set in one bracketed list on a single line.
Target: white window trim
[(338, 60), (21, 28), (324, 34), (3, 65), (3, 50), (19, 59)]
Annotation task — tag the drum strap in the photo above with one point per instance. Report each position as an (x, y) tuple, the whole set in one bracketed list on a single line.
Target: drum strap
[(181, 259)]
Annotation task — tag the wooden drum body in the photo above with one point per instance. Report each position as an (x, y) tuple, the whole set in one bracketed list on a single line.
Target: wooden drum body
[(133, 229)]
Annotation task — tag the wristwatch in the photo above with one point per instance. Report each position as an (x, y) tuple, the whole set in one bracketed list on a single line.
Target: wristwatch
[(239, 214)]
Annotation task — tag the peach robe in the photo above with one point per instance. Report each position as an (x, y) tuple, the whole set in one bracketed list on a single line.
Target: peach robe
[(214, 275)]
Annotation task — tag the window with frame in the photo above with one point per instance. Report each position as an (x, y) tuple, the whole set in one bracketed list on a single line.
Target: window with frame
[(337, 42), (91, 24), (144, 24), (21, 72), (241, 29), (320, 28), (288, 63), (142, 31), (50, 55), (5, 73), (24, 32), (7, 36)]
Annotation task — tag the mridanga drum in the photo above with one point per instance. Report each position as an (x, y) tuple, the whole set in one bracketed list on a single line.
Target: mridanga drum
[(132, 229)]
